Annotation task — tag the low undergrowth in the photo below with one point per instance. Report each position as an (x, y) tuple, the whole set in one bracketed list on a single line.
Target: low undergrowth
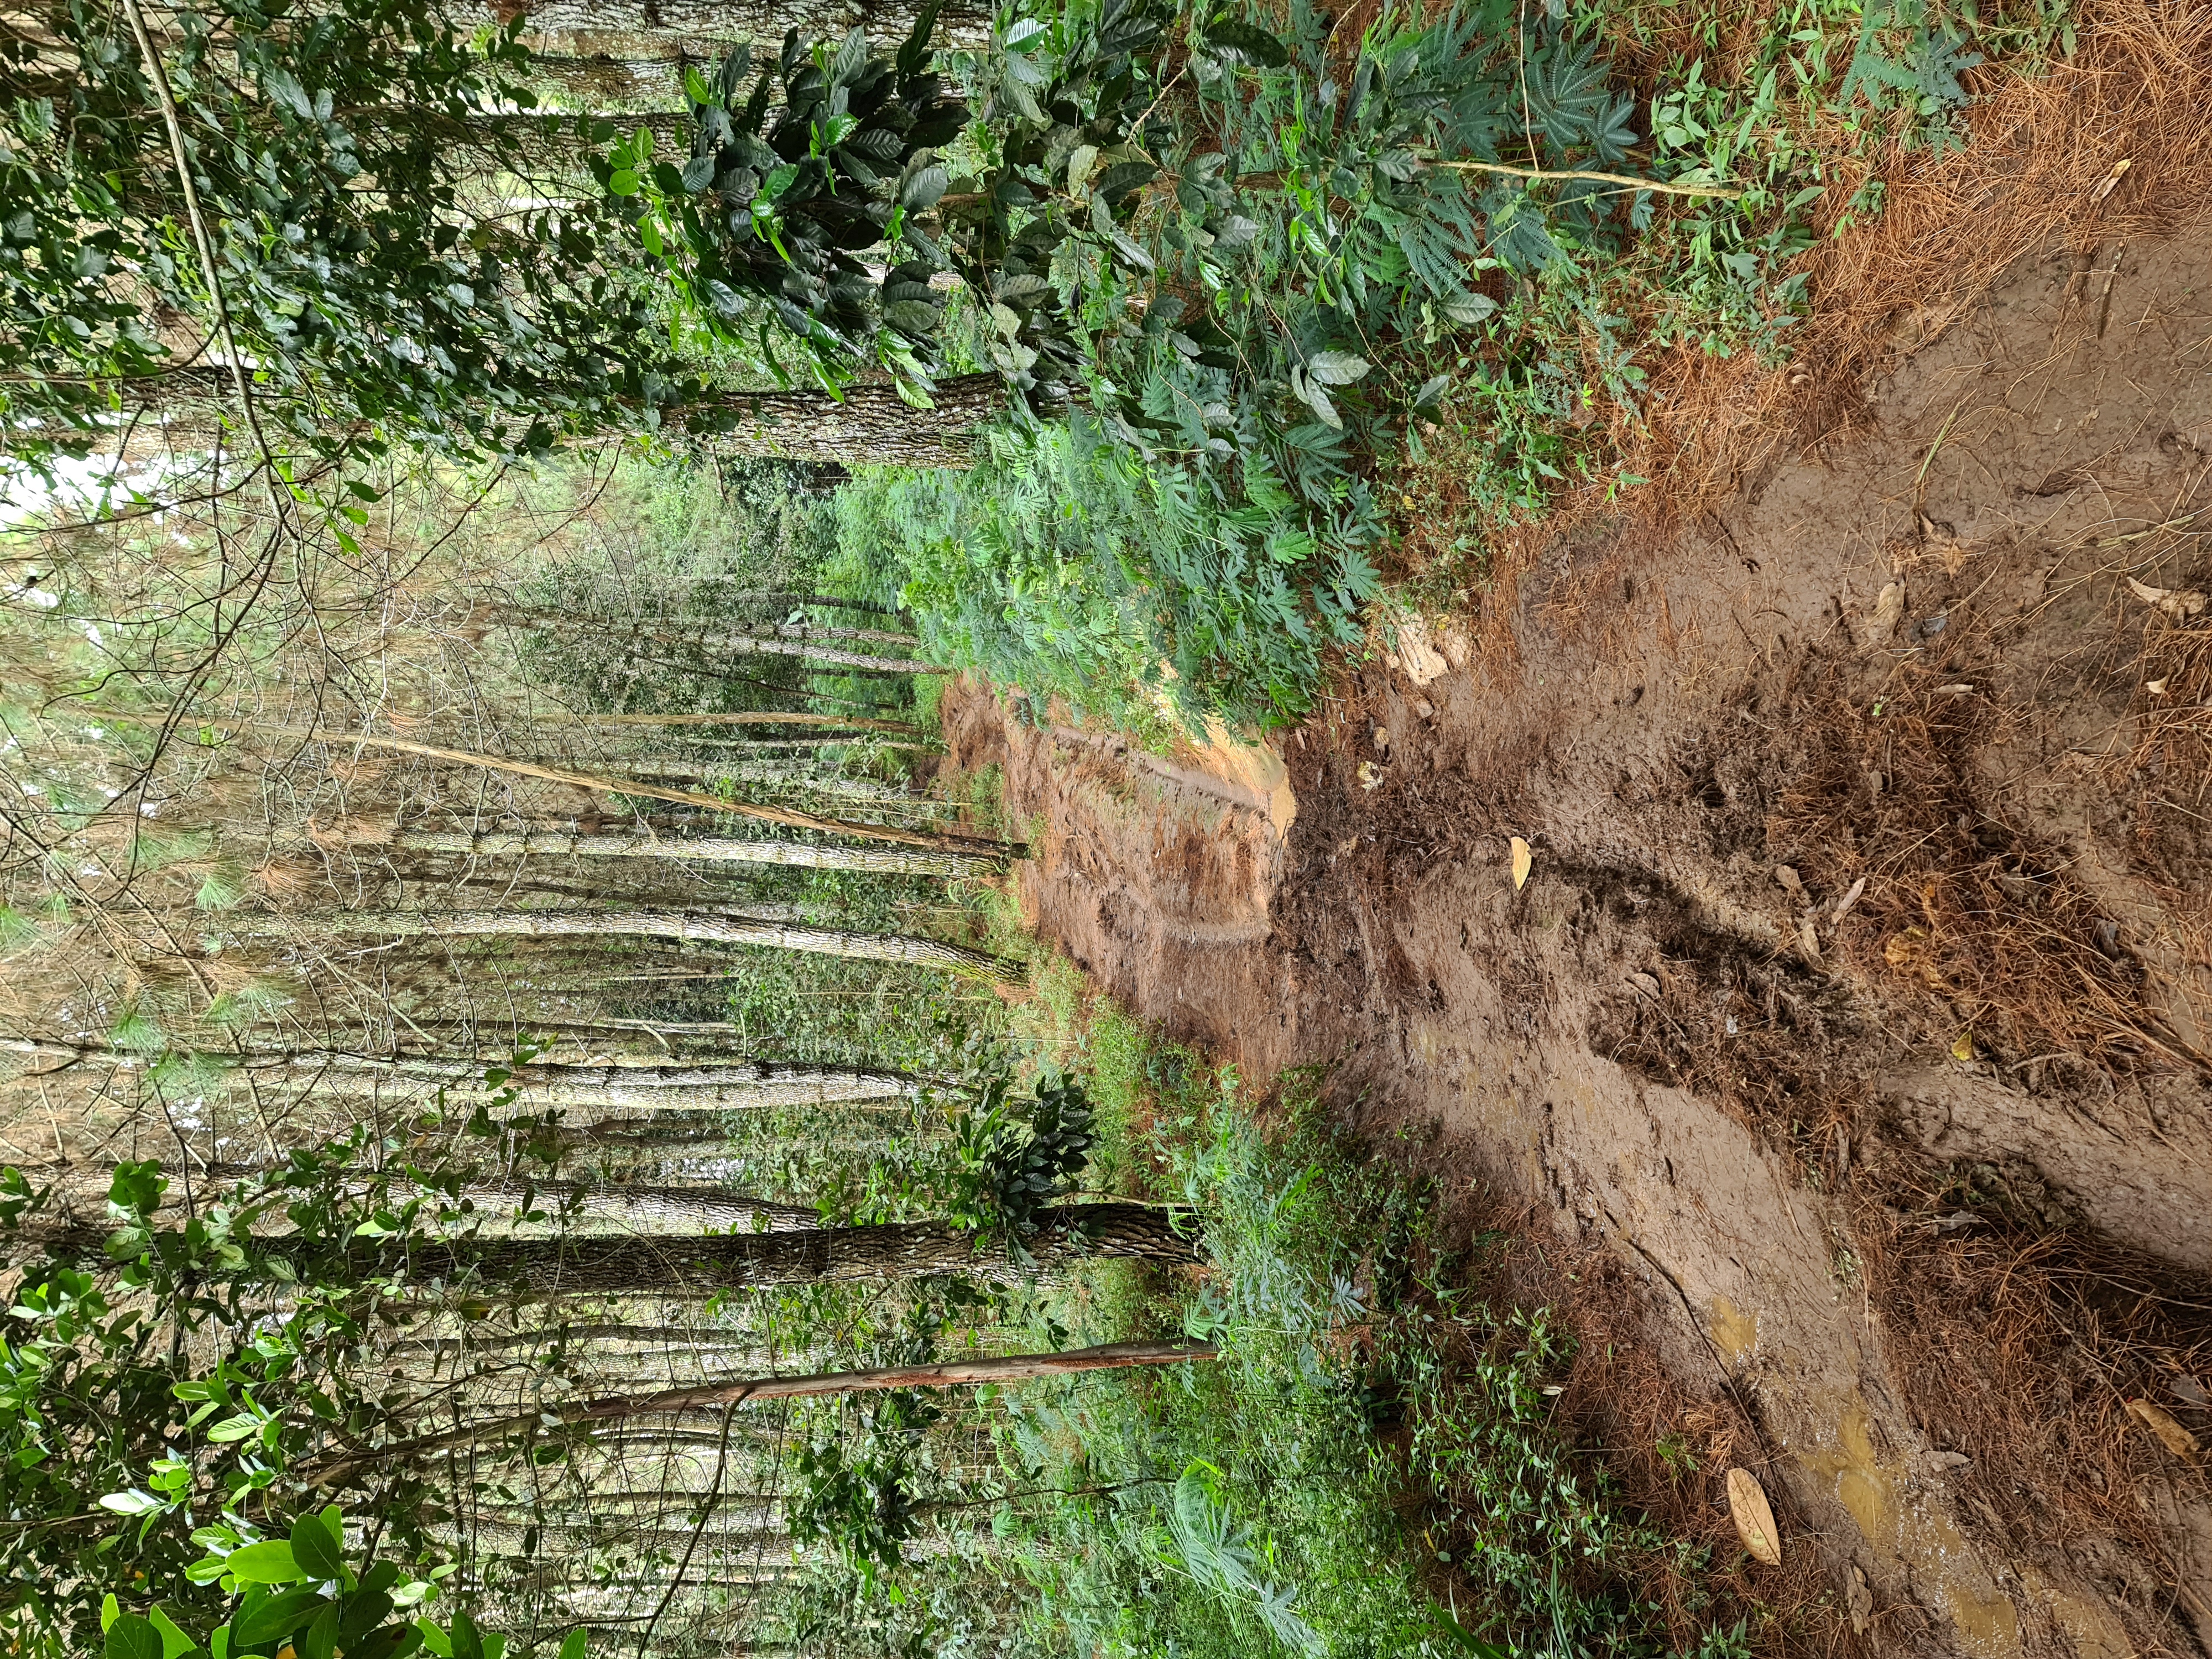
[(1376, 1463)]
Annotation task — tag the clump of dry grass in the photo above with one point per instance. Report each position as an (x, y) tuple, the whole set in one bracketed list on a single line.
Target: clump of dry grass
[(1983, 930), (2174, 710), (2040, 152), (2019, 1345)]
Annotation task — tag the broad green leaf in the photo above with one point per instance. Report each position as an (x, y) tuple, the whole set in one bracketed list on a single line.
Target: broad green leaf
[(132, 1637), (269, 1562), (275, 1616), (925, 189), (1336, 367), (576, 1645), (322, 1636), (1235, 37), (174, 1643), (317, 1551)]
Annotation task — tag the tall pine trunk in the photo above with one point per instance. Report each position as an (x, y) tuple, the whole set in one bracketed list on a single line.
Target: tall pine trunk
[(538, 840), (708, 23), (673, 924), (871, 424), (534, 1269)]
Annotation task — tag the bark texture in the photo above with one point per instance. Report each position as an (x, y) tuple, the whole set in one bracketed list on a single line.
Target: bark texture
[(1012, 1368), (537, 1268), (675, 924), (870, 423), (710, 849), (678, 1210), (625, 23), (704, 1082)]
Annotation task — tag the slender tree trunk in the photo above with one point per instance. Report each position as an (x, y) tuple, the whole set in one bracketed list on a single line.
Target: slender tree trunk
[(791, 642), (701, 768), (1012, 1367), (873, 424), (690, 1339), (537, 1268), (687, 1132), (965, 24), (823, 601), (538, 840), (870, 424), (756, 717), (678, 1210), (673, 924), (692, 1083), (781, 815), (705, 632)]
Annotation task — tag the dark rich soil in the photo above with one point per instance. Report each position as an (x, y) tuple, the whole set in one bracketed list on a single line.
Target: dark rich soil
[(1856, 1009)]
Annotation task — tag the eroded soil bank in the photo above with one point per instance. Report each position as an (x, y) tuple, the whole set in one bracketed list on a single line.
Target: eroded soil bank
[(1856, 1006)]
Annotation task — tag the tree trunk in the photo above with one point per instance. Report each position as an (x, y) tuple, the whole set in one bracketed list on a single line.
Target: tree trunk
[(542, 1267), (793, 601), (699, 769), (784, 816), (713, 849), (965, 23), (679, 1210), (1012, 1367), (872, 424), (708, 1082), (752, 717), (705, 632), (673, 924), (686, 1338)]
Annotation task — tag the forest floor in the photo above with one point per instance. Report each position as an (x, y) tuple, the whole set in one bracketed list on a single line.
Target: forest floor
[(1844, 1057)]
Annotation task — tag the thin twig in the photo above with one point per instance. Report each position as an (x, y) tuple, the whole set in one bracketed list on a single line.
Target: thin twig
[(1664, 189), (202, 240), (713, 1498)]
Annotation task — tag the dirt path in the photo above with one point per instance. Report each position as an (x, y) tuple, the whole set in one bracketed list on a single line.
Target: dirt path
[(1857, 1000)]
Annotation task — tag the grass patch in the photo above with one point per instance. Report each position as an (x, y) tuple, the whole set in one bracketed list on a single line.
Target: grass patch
[(1375, 1464)]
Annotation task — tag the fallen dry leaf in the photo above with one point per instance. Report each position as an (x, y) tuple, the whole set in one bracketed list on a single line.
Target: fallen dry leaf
[(2189, 1392), (1962, 1048), (1809, 941), (1861, 1602), (1887, 609), (2112, 179), (1754, 1519), (2156, 687), (1844, 904), (1787, 877), (1370, 775), (1523, 861), (2176, 602), (2175, 1438)]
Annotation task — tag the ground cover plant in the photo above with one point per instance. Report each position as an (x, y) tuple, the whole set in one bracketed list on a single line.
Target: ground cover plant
[(1373, 1464), (1229, 241)]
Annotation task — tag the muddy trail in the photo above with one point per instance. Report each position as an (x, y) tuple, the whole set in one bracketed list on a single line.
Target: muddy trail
[(1852, 1023)]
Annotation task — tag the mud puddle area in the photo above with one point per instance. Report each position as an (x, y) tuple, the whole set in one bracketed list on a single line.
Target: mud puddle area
[(1856, 1002)]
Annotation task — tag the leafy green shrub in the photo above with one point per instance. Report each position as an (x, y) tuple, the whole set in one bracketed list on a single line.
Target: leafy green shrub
[(1188, 225), (1067, 566)]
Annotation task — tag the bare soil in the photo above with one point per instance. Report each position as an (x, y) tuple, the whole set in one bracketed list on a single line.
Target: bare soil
[(1853, 1018)]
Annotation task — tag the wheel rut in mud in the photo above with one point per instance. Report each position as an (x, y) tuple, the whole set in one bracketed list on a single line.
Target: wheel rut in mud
[(1857, 1006)]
